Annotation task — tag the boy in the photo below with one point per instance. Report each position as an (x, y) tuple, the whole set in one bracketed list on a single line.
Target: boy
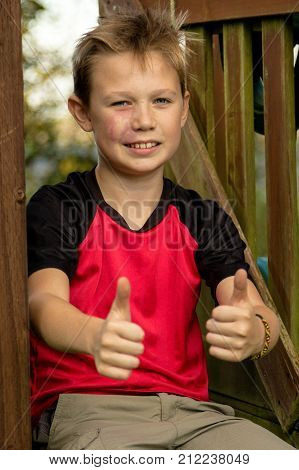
[(116, 256)]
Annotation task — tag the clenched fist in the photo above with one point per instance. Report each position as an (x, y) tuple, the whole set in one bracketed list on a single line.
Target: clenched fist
[(120, 340)]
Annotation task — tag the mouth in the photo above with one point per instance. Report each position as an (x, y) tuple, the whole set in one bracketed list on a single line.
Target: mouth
[(142, 145)]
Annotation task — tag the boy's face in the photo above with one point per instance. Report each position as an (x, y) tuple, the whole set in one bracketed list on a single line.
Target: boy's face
[(132, 108)]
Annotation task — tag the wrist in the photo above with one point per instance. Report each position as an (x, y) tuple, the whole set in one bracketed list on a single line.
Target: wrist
[(93, 335), (263, 347)]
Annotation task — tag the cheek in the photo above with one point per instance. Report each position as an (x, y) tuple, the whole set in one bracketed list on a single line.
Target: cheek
[(117, 127)]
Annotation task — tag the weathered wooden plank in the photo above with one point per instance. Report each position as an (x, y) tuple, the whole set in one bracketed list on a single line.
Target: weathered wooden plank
[(280, 135), (201, 87), (279, 371), (203, 11), (219, 113), (238, 88), (14, 351)]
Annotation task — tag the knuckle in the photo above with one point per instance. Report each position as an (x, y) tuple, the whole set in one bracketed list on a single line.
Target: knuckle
[(247, 315), (243, 330), (107, 340), (239, 345)]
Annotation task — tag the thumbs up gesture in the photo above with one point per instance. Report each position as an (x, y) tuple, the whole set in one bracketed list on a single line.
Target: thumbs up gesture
[(234, 331), (120, 340)]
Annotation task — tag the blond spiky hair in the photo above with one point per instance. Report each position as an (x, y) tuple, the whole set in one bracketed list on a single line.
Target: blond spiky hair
[(138, 31)]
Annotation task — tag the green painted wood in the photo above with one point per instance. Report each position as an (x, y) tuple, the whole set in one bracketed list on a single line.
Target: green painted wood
[(238, 90), (280, 138)]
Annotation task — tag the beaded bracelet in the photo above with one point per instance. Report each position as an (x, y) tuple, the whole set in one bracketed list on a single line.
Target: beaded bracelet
[(265, 349)]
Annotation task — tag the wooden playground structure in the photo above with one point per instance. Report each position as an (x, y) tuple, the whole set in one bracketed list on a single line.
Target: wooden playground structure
[(217, 159)]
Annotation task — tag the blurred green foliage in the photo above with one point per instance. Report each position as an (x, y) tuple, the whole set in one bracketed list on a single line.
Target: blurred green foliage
[(53, 146)]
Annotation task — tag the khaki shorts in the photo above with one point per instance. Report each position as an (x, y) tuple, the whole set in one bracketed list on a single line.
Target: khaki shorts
[(156, 421)]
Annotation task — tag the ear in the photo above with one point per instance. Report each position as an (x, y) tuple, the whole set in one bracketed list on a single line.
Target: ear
[(79, 112), (185, 110)]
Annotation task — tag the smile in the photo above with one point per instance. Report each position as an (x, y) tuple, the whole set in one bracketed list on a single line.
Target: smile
[(142, 145)]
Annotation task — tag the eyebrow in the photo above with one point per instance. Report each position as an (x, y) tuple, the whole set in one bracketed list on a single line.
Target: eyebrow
[(128, 94)]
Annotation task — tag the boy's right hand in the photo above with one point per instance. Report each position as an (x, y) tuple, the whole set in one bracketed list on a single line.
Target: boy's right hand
[(120, 340)]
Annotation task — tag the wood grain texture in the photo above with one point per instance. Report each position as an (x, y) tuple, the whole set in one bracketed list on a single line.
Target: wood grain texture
[(279, 371), (14, 349), (280, 135), (240, 156), (219, 113), (201, 86), (203, 11)]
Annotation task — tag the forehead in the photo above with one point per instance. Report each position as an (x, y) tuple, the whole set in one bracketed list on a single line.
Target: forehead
[(124, 70)]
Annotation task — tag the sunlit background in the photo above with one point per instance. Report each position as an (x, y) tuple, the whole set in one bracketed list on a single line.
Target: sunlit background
[(54, 143)]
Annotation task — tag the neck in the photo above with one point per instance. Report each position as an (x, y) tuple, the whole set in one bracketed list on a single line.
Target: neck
[(122, 188)]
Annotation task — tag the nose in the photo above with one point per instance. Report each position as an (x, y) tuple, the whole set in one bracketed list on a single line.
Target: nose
[(143, 117)]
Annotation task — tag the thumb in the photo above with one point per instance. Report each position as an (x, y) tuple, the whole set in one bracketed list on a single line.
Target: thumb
[(120, 308), (240, 287)]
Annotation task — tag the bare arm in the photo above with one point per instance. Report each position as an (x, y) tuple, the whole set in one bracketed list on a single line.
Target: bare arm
[(61, 325), (114, 342)]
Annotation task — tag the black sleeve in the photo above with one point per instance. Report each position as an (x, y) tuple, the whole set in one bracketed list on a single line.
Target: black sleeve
[(51, 239), (220, 250)]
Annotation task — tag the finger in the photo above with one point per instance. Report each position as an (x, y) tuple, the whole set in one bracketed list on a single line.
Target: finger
[(220, 328), (224, 342), (120, 308), (240, 286), (123, 346), (128, 330), (226, 354), (114, 372), (226, 313), (123, 361)]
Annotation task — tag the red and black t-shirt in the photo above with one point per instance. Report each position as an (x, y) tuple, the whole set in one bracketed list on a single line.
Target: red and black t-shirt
[(71, 227)]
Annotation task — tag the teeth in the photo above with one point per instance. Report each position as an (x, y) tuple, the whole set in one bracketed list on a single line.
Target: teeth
[(144, 145)]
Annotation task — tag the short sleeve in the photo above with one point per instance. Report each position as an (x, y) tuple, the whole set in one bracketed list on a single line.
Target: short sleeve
[(50, 233), (220, 248)]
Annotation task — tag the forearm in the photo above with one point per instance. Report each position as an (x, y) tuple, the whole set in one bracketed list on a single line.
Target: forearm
[(62, 326)]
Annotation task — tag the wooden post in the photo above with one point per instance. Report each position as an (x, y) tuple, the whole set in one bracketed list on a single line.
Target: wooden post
[(238, 85), (280, 134), (14, 358), (201, 88)]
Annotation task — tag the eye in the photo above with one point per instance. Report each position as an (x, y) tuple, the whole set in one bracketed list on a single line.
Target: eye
[(120, 103), (162, 100)]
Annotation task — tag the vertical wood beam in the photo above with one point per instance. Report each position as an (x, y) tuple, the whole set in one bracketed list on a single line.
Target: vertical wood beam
[(201, 87), (219, 114), (14, 349), (238, 86), (280, 135), (279, 371)]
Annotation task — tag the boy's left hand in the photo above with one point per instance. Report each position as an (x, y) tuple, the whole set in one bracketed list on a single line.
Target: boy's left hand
[(234, 331)]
